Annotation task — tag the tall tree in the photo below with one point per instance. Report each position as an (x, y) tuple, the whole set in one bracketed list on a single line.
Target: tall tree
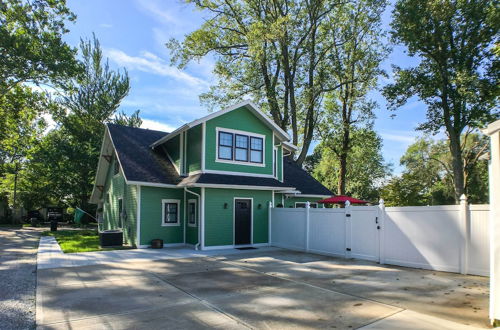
[(272, 51), (366, 168), (31, 43), (92, 101), (457, 75), (354, 63), (427, 178)]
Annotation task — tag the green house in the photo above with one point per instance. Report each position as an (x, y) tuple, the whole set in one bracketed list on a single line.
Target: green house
[(209, 184)]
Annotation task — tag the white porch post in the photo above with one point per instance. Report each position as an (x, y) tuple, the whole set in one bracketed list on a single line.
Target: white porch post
[(493, 131)]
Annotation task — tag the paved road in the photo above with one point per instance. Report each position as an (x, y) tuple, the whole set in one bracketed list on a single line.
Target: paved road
[(18, 248)]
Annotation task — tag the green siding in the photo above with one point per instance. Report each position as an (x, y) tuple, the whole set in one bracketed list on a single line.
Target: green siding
[(172, 147), (116, 187), (151, 213), (193, 149), (244, 120), (219, 221), (192, 231)]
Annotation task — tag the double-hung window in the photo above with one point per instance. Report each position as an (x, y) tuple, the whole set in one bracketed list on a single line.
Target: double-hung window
[(240, 148), (226, 145), (170, 212)]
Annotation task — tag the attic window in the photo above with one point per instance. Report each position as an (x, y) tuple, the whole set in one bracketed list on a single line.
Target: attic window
[(240, 147)]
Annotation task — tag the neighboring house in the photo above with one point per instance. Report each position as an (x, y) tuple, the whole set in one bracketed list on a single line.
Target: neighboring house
[(208, 183)]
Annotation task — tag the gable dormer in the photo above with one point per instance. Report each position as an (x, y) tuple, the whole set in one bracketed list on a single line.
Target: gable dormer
[(240, 140)]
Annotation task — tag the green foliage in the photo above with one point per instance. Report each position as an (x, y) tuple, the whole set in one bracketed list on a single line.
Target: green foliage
[(428, 177), (279, 53), (457, 75), (73, 241), (366, 168), (31, 44), (63, 166)]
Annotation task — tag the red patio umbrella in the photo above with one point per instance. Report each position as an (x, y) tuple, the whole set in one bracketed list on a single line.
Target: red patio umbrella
[(341, 199)]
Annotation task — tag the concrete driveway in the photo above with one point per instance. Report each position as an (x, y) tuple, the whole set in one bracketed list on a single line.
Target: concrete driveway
[(258, 289)]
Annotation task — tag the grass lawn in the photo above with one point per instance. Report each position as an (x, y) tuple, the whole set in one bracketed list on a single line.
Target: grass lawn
[(72, 241), (17, 226)]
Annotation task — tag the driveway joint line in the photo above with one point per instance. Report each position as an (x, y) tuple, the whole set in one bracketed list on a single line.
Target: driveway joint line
[(206, 303), (314, 286)]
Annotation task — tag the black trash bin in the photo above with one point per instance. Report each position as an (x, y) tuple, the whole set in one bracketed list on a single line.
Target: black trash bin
[(53, 225)]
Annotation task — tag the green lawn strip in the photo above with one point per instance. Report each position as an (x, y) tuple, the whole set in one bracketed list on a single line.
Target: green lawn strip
[(72, 241)]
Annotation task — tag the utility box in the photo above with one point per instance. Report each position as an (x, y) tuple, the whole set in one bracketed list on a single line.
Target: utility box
[(109, 238)]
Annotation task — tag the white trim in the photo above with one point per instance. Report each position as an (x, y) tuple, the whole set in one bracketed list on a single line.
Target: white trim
[(184, 216), (234, 219), (201, 227), (194, 172), (239, 173), (282, 179), (226, 247), (289, 146), (171, 160), (181, 153), (247, 104), (138, 220), (196, 211), (203, 145), (170, 201), (310, 203), (239, 132), (228, 186), (152, 184)]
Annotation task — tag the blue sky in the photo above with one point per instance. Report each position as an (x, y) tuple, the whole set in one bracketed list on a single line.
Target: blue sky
[(133, 34)]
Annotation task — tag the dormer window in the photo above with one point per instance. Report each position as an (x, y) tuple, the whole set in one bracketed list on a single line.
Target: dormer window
[(240, 147)]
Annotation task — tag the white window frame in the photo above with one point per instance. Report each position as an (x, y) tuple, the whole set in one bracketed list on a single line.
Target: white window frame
[(310, 203), (195, 212), (250, 135), (170, 201)]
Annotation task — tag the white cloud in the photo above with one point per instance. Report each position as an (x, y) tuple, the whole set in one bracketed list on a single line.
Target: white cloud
[(156, 125), (51, 124), (163, 15), (106, 25), (406, 137), (149, 62)]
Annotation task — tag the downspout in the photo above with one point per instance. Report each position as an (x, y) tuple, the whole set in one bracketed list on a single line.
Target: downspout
[(196, 247)]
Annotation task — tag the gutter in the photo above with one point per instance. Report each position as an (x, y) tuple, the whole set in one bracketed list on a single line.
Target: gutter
[(197, 246)]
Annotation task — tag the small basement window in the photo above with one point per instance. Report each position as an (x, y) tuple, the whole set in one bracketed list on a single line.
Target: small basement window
[(170, 212)]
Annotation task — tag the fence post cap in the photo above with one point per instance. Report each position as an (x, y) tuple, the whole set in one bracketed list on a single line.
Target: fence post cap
[(270, 204), (381, 202), (347, 203), (308, 204), (463, 198)]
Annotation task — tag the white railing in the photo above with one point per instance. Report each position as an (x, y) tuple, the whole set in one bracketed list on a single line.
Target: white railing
[(447, 238)]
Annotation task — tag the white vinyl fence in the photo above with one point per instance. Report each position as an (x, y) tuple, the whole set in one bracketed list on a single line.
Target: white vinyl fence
[(450, 238)]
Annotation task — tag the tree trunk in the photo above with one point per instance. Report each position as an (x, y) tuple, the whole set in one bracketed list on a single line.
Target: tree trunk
[(343, 160), (457, 165)]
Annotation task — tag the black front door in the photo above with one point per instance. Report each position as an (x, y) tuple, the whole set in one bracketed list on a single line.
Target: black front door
[(242, 221)]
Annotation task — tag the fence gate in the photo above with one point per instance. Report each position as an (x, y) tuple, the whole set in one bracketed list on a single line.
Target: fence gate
[(363, 231)]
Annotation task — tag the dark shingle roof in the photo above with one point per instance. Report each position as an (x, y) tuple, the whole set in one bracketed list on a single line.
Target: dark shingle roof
[(141, 163), (296, 177), (238, 180)]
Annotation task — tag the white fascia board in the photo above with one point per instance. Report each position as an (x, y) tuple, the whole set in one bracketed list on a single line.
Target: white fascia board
[(289, 146), (101, 164), (229, 186), (249, 105), (152, 184), (492, 128)]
